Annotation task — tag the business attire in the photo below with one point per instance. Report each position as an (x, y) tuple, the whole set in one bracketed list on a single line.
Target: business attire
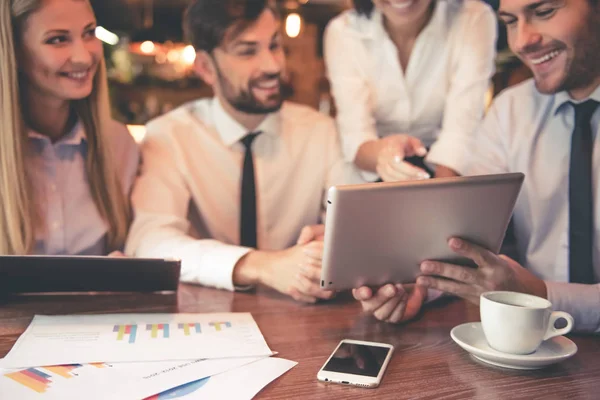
[(187, 198), (439, 98), (529, 132), (72, 224)]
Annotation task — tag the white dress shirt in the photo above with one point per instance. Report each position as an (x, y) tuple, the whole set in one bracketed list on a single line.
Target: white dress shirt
[(440, 98), (187, 199), (526, 131), (73, 225)]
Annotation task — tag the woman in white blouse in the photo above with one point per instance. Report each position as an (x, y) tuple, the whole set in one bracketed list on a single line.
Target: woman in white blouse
[(65, 167), (402, 68)]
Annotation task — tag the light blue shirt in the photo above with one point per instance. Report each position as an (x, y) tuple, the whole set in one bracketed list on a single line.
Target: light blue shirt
[(529, 132), (71, 222)]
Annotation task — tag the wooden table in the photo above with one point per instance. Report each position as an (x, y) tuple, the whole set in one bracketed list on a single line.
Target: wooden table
[(427, 364)]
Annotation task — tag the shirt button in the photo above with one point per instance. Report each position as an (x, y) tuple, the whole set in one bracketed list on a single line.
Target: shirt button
[(53, 187), (55, 225)]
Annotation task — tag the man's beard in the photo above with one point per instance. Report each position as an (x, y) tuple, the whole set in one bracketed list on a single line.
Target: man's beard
[(245, 101), (583, 66)]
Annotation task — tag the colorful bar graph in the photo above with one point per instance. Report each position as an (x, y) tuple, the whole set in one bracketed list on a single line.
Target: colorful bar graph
[(63, 370), (100, 365), (39, 381), (154, 328), (190, 325), (123, 330), (32, 378), (218, 325)]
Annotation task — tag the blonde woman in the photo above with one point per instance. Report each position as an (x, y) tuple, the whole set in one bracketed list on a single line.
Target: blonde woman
[(65, 167)]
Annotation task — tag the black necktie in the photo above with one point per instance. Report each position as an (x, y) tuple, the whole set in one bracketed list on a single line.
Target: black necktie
[(248, 197), (581, 200)]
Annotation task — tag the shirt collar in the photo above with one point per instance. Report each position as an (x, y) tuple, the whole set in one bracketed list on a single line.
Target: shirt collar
[(562, 98), (372, 27), (232, 131), (74, 138)]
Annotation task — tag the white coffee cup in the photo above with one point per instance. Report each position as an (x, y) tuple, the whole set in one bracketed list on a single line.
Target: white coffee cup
[(518, 323)]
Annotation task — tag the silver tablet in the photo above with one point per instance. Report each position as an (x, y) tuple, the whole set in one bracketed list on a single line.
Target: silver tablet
[(378, 233)]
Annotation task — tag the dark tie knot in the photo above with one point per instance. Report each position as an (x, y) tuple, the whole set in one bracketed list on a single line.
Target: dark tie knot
[(585, 110), (249, 138)]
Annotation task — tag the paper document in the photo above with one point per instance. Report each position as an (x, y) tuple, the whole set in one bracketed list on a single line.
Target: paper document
[(99, 381), (239, 384), (80, 339)]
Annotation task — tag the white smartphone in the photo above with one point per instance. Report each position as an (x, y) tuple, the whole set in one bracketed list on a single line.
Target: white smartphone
[(356, 362)]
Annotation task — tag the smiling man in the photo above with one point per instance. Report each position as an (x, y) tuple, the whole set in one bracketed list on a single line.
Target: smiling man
[(547, 128), (228, 183)]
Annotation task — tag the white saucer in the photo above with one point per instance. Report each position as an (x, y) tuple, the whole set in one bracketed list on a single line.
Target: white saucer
[(471, 338)]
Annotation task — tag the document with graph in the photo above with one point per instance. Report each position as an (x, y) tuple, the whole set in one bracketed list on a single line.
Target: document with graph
[(78, 339), (118, 381), (249, 380)]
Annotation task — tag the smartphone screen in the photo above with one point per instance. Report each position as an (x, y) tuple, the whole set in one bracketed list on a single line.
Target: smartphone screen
[(357, 359)]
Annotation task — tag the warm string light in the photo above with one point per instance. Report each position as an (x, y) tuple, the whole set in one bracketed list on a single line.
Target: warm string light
[(173, 56), (167, 54), (106, 36), (293, 25), (188, 56), (137, 132), (147, 47)]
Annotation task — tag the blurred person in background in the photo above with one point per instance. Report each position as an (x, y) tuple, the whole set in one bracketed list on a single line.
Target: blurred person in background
[(410, 67)]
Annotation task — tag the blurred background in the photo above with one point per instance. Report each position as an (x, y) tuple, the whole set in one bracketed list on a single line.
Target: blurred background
[(149, 63)]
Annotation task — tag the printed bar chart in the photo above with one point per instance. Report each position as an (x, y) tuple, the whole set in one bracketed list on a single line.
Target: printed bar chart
[(100, 365), (39, 381), (188, 326), (219, 325), (114, 338), (123, 330), (32, 378), (63, 370), (155, 328)]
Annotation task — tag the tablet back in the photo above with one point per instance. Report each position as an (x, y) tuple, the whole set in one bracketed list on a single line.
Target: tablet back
[(379, 233), (46, 274)]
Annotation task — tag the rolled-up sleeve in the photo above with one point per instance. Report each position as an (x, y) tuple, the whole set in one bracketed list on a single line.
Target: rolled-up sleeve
[(579, 300), (472, 70), (161, 227), (345, 63)]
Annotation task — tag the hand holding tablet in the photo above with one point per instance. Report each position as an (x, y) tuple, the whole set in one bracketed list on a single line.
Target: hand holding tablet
[(380, 233)]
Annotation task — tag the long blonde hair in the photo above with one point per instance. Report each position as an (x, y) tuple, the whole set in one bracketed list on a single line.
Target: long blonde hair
[(18, 213)]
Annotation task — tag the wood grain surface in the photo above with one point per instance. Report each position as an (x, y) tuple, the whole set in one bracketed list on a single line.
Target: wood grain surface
[(427, 364)]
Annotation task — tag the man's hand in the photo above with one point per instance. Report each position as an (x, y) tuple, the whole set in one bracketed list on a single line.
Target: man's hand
[(493, 273), (310, 233), (391, 166), (297, 272), (392, 303)]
